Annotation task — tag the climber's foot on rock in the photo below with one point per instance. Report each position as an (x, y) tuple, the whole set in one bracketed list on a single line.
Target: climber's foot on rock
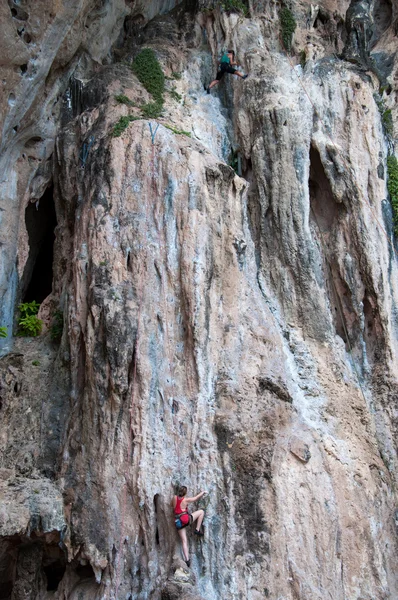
[(199, 533)]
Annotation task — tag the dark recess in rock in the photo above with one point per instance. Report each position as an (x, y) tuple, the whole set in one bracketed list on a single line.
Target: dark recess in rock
[(41, 220), (277, 388)]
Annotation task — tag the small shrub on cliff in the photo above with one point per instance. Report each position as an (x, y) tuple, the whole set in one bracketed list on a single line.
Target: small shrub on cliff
[(149, 72), (152, 110), (386, 115), (29, 324), (175, 95), (392, 186), (122, 99), (235, 6), (178, 131), (122, 124), (288, 27), (3, 332)]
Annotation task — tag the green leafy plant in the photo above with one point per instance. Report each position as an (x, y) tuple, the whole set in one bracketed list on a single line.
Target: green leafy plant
[(36, 363), (235, 6), (303, 58), (122, 125), (57, 326), (392, 186), (176, 75), (29, 308), (122, 99), (288, 26), (29, 324), (3, 332), (178, 131), (149, 72), (152, 110)]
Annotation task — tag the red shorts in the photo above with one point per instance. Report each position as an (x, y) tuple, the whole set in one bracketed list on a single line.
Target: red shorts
[(183, 520)]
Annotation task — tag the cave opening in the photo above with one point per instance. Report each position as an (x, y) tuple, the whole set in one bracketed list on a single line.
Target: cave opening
[(40, 221), (85, 571), (54, 566)]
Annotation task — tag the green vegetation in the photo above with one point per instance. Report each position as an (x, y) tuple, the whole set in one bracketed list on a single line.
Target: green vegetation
[(36, 363), (235, 6), (122, 99), (175, 95), (149, 72), (178, 131), (288, 26), (385, 113), (29, 324), (386, 119), (303, 58), (151, 110), (122, 124), (392, 186), (176, 75), (57, 326), (3, 332)]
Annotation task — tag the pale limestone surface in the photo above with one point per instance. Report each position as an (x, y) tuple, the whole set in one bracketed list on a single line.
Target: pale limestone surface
[(203, 339)]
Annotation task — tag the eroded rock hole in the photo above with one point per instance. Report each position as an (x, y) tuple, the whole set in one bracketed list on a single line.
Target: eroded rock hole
[(29, 564), (17, 12), (40, 220), (54, 565), (324, 216), (372, 330), (323, 205), (85, 571), (382, 18), (155, 503)]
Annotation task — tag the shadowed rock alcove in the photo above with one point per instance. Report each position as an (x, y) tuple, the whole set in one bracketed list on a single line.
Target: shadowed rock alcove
[(40, 220)]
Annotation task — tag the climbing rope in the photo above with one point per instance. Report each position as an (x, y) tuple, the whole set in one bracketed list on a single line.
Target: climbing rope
[(153, 187), (163, 247), (132, 400)]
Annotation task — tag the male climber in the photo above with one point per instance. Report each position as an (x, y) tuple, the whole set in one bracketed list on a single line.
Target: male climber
[(227, 64)]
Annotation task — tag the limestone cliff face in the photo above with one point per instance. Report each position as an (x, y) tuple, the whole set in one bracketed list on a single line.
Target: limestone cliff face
[(233, 330)]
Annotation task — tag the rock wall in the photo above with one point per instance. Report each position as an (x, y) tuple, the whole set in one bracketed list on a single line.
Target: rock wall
[(232, 330)]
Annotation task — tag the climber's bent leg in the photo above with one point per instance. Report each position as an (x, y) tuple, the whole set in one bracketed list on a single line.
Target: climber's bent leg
[(198, 516)]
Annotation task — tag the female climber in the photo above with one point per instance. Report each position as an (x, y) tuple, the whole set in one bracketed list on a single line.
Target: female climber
[(183, 518), (227, 64)]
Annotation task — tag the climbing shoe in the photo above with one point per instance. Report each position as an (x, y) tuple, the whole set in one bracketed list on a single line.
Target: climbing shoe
[(188, 563), (199, 533), (208, 90), (245, 76)]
